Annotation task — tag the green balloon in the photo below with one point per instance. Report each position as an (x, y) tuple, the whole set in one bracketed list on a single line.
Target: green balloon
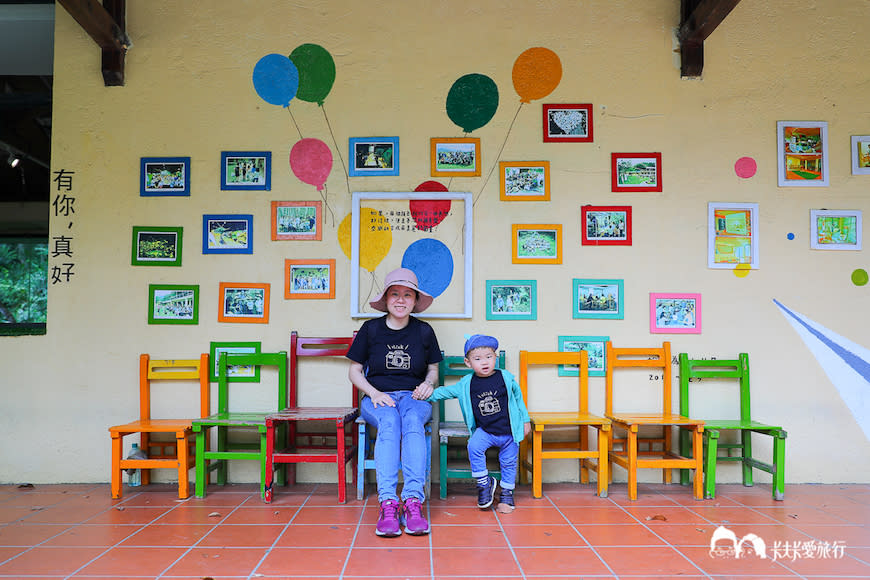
[(316, 72), (472, 101)]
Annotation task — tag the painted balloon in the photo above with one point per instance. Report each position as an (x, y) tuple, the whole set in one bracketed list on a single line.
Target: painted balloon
[(472, 101), (374, 241), (536, 73), (276, 79), (429, 213), (431, 186), (432, 261), (316, 72), (311, 161)]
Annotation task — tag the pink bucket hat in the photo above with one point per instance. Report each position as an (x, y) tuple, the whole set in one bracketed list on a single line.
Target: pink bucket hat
[(408, 279)]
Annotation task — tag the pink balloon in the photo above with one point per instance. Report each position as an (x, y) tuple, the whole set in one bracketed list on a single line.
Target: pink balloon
[(311, 162)]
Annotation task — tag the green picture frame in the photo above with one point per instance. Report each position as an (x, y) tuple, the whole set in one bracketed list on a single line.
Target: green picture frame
[(156, 246), (173, 304), (593, 345), (235, 373)]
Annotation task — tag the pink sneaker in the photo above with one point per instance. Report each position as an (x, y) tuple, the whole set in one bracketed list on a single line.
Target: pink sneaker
[(388, 519), (415, 522)]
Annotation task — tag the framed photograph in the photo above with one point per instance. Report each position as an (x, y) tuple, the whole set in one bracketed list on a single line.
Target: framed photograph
[(568, 123), (674, 313), (297, 220), (860, 154), (593, 345), (373, 156), (309, 278), (635, 172), (525, 180), (732, 230), (606, 225), (599, 298), (173, 304), (536, 243), (156, 246), (235, 373), (455, 156), (243, 302), (802, 153), (511, 299), (246, 170), (227, 234), (835, 229), (164, 176)]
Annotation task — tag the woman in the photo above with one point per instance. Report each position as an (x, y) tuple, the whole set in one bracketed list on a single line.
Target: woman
[(394, 361)]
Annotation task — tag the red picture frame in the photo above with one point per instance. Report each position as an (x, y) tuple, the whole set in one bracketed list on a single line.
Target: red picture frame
[(631, 172), (606, 225), (564, 123)]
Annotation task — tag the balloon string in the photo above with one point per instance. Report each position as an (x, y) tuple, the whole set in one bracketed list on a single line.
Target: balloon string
[(371, 288), (323, 195), (298, 130), (497, 157), (337, 148)]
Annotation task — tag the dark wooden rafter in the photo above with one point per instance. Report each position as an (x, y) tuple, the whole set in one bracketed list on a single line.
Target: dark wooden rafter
[(698, 20), (106, 24)]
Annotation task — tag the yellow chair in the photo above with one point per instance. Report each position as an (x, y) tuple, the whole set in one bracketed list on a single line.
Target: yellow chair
[(630, 457), (176, 453), (578, 421)]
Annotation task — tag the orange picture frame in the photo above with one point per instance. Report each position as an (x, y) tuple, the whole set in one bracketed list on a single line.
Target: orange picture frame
[(243, 302), (309, 279)]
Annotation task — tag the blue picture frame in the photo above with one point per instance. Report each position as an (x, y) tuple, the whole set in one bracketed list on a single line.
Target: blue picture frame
[(227, 234), (246, 170), (593, 345), (370, 156), (164, 176), (511, 299), (609, 295)]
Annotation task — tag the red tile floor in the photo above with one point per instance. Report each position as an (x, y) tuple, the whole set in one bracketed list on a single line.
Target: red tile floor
[(78, 531)]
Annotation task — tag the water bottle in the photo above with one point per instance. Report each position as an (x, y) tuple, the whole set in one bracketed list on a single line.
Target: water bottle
[(134, 476)]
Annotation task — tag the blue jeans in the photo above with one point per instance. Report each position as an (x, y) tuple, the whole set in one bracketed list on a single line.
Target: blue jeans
[(401, 439), (508, 454)]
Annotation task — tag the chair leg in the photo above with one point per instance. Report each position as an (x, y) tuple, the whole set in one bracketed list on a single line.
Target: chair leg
[(201, 471), (698, 456), (442, 466), (685, 451), (746, 449), (537, 450), (117, 450), (631, 445), (779, 465), (145, 445), (222, 464), (182, 456), (361, 454), (603, 446), (712, 451), (262, 434), (342, 466), (584, 444)]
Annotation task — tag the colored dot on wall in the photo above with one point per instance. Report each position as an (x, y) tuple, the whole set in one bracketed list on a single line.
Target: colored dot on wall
[(860, 277), (790, 236), (741, 270), (745, 167)]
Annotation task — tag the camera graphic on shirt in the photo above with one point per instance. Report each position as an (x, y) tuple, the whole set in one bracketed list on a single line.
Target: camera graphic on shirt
[(398, 359), (489, 406)]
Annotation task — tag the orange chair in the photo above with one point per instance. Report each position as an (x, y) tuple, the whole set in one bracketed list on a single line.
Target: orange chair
[(578, 421), (173, 454), (630, 457)]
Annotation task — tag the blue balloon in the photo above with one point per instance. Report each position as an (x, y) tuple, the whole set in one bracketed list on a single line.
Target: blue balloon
[(432, 261), (276, 79)]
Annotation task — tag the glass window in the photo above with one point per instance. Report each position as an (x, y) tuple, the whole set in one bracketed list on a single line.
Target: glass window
[(23, 284)]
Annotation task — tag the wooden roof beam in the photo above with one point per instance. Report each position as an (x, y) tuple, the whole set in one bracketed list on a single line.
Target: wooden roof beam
[(698, 20), (106, 24)]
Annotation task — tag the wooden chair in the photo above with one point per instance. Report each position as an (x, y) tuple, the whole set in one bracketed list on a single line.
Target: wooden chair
[(173, 454), (319, 446), (454, 366), (705, 372), (225, 419), (577, 422), (631, 457)]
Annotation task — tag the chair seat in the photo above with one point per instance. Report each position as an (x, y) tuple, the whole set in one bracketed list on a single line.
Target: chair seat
[(566, 418), (346, 414), (654, 419), (153, 426), (453, 429), (739, 424), (232, 420)]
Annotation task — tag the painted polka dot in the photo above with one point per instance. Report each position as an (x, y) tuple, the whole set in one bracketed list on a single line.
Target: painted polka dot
[(745, 167), (860, 277), (742, 270), (790, 236)]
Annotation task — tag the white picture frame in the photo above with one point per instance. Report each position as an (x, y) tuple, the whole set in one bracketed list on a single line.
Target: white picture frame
[(860, 154), (720, 236), (812, 149), (835, 229)]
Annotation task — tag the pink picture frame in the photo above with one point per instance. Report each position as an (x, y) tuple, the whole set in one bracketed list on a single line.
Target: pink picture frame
[(671, 313)]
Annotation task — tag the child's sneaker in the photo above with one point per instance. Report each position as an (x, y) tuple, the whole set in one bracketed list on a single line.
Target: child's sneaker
[(415, 522), (388, 519), (486, 493), (507, 497)]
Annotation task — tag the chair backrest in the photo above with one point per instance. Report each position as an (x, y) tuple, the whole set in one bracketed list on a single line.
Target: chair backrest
[(737, 369), (173, 370), (307, 346), (454, 366), (580, 358), (227, 359), (656, 358)]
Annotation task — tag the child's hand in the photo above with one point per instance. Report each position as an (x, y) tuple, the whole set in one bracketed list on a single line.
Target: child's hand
[(527, 428)]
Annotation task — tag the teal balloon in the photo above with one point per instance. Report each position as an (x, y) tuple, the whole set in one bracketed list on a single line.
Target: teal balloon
[(472, 101), (316, 72)]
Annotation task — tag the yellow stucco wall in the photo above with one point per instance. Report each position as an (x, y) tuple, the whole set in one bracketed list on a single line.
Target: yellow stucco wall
[(188, 92)]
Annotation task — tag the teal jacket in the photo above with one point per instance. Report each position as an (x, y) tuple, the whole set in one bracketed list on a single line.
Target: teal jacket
[(461, 390)]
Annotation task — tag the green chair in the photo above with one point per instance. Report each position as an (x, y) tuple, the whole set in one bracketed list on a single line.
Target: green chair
[(698, 373), (226, 419), (458, 467)]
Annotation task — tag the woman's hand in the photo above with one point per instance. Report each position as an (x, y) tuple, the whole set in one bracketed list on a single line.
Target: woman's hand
[(423, 391), (382, 399)]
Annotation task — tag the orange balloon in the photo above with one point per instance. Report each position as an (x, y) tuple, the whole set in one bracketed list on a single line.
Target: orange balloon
[(537, 73)]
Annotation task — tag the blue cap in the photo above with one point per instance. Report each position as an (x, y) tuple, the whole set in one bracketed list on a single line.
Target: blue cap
[(480, 340)]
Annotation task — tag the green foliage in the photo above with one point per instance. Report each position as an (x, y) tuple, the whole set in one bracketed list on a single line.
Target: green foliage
[(23, 281)]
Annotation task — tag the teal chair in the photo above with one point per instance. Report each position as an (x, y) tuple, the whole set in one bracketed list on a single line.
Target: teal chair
[(700, 373), (453, 457), (237, 418)]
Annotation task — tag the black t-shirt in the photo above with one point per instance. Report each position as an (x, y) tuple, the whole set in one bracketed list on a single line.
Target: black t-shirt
[(395, 360), (489, 402)]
